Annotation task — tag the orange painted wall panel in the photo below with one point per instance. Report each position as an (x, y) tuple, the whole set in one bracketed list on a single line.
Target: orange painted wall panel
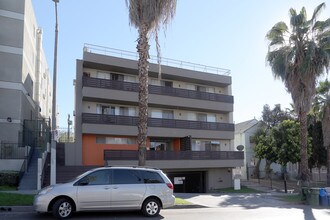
[(93, 153), (176, 144)]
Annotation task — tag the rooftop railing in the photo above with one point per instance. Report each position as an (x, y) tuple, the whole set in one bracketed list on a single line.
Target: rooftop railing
[(91, 48)]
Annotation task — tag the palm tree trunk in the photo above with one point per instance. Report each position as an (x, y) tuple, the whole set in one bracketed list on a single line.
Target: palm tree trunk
[(304, 172), (143, 66), (326, 136)]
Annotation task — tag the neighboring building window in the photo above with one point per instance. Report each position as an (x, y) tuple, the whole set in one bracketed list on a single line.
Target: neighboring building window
[(115, 140), (167, 114)]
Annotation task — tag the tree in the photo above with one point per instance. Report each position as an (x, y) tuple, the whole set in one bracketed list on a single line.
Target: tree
[(273, 117), (264, 148), (318, 156), (298, 56), (286, 143), (321, 109), (147, 16)]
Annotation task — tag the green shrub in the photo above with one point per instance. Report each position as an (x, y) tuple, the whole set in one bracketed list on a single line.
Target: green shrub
[(9, 178)]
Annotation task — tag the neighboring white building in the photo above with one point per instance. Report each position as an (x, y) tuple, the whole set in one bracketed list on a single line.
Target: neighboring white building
[(243, 133)]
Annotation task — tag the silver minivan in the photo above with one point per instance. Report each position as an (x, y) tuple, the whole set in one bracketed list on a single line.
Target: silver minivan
[(109, 188)]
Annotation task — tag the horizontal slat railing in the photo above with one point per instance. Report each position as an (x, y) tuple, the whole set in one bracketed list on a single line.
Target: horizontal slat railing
[(159, 90), (155, 122), (174, 155)]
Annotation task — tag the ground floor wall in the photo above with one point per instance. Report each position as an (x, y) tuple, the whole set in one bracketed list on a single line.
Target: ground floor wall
[(11, 164)]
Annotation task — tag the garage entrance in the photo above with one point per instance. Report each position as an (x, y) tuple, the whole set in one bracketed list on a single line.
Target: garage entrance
[(188, 182)]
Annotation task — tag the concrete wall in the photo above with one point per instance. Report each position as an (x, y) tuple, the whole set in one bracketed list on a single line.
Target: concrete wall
[(218, 178), (11, 165)]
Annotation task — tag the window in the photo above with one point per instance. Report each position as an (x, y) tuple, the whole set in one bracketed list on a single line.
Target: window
[(115, 140), (201, 117), (129, 78), (151, 177), (167, 114), (166, 83), (201, 88), (205, 145), (101, 177), (122, 176), (103, 75), (211, 118), (118, 77), (124, 111)]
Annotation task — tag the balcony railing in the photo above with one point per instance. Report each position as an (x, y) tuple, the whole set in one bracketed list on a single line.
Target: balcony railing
[(159, 90), (174, 155), (155, 122), (91, 48)]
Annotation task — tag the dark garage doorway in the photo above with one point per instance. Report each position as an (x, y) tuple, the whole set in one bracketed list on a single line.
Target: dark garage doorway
[(188, 182)]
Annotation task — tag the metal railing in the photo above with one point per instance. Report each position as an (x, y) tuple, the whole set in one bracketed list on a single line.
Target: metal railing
[(158, 90), (12, 151), (153, 59), (91, 118), (174, 155)]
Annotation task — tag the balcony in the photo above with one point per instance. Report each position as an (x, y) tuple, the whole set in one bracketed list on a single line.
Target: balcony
[(156, 90), (174, 155), (90, 118), (178, 159)]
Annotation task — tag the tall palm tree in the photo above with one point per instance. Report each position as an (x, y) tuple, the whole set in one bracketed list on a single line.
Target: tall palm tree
[(147, 16), (298, 56), (321, 108)]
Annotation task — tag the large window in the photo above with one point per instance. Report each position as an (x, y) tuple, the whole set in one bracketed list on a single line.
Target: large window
[(115, 140), (167, 114), (205, 145)]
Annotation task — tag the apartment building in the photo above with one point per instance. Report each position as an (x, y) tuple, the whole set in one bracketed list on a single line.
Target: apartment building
[(190, 125), (25, 85)]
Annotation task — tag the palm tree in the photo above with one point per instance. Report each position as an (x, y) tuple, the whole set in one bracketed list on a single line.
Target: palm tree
[(298, 56), (147, 16), (321, 108)]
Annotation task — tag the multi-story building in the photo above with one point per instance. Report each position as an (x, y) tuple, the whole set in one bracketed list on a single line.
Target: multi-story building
[(25, 85), (190, 125)]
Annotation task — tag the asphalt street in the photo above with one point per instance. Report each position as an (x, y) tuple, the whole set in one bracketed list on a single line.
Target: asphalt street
[(215, 206)]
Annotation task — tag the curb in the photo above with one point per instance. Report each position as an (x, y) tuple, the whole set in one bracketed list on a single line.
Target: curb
[(16, 209)]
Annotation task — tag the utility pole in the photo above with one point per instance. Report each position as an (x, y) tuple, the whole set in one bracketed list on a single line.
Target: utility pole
[(54, 129), (69, 123)]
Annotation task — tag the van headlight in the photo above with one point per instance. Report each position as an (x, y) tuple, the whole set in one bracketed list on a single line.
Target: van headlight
[(45, 190)]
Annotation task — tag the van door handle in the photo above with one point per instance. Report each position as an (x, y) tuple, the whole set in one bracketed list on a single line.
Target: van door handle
[(115, 187)]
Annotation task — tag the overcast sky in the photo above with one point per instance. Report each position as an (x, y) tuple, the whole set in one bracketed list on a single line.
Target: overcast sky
[(219, 33)]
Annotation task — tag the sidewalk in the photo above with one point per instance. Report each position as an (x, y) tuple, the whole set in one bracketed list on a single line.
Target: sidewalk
[(269, 186)]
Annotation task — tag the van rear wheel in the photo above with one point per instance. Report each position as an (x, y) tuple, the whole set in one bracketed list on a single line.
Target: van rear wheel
[(151, 207)]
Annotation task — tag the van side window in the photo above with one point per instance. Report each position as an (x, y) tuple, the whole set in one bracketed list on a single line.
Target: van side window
[(101, 177), (122, 176), (151, 177)]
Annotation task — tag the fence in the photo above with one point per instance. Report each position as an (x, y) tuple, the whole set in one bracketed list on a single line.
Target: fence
[(65, 135)]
